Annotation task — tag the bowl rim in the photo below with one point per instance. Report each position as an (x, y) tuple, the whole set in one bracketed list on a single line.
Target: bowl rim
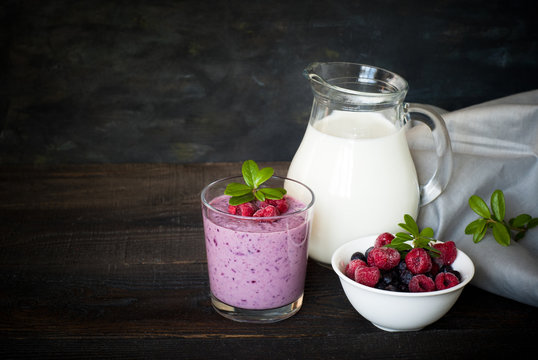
[(343, 277)]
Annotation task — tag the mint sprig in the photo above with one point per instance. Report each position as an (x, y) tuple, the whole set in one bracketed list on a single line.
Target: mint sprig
[(495, 220), (418, 238), (254, 177)]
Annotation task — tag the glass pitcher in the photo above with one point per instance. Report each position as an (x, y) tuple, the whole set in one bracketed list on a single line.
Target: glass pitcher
[(355, 157)]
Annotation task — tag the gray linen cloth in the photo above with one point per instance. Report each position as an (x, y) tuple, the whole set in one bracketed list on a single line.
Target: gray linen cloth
[(495, 146)]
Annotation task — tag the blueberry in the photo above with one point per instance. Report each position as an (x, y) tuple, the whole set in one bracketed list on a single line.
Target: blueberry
[(368, 251), (387, 277), (405, 276), (358, 255), (391, 287)]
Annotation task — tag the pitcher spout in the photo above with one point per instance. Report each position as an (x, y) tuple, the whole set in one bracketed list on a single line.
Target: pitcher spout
[(355, 85)]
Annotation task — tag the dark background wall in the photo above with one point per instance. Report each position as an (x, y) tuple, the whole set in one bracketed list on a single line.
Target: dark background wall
[(195, 81)]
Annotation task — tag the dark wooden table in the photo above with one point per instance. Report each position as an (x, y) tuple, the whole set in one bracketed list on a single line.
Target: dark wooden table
[(108, 261)]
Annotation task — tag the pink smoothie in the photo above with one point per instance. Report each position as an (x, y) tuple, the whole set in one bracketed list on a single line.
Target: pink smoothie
[(254, 264)]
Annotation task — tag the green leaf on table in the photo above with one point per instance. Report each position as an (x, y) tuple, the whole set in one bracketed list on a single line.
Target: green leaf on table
[(501, 234), (520, 220), (502, 229), (497, 204), (479, 206), (519, 235), (479, 235), (476, 226)]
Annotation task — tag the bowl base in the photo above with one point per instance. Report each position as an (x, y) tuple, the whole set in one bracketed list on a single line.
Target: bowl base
[(395, 330)]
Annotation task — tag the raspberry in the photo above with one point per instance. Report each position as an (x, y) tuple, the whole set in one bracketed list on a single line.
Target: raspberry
[(383, 239), (281, 205), (445, 280), (457, 274), (352, 266), (418, 261), (448, 252), (421, 283), (384, 258), (246, 209), (232, 209), (435, 267), (267, 211), (367, 275)]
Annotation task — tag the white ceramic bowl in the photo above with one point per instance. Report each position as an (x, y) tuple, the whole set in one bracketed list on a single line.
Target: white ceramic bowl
[(398, 311)]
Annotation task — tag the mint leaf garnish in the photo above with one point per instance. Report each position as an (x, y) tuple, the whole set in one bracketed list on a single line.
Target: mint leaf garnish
[(263, 175), (249, 170), (418, 238), (236, 189), (273, 194), (254, 177), (495, 220)]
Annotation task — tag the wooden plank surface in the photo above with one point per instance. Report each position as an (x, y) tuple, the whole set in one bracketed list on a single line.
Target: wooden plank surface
[(108, 261)]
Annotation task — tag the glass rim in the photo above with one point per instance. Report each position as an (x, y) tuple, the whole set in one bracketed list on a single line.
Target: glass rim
[(312, 74), (206, 203)]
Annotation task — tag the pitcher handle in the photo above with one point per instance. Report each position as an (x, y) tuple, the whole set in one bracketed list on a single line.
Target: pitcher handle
[(443, 148)]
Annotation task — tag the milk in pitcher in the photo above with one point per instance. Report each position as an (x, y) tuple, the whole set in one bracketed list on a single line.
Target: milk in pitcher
[(360, 168)]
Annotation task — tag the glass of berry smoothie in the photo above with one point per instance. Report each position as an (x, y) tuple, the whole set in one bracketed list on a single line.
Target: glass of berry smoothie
[(257, 251)]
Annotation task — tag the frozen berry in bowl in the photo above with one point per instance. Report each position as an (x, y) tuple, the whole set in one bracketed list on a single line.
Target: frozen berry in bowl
[(384, 258), (367, 275), (421, 283), (352, 266), (445, 280), (424, 282), (448, 252), (383, 239), (418, 261)]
